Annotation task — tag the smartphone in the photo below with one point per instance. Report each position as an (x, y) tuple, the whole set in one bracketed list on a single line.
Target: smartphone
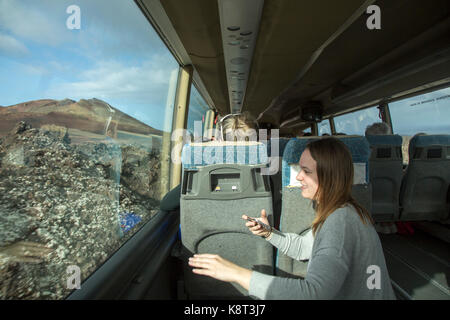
[(262, 224)]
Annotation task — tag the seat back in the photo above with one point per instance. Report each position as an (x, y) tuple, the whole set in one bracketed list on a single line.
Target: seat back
[(297, 212), (386, 173), (275, 149), (222, 181), (425, 189)]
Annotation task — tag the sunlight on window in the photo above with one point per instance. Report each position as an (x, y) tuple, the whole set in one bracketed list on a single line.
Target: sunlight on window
[(427, 113), (86, 100)]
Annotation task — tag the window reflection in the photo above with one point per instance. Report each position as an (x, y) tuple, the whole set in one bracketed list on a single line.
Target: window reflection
[(355, 123), (84, 120), (197, 111)]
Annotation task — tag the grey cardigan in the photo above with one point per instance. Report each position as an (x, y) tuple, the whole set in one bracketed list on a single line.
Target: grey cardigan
[(346, 262)]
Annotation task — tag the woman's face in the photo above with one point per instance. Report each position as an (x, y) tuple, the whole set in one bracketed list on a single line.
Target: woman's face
[(308, 175)]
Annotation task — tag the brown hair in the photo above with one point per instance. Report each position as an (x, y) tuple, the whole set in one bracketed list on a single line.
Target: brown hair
[(335, 179)]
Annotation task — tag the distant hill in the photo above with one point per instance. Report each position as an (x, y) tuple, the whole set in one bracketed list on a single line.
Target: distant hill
[(91, 115)]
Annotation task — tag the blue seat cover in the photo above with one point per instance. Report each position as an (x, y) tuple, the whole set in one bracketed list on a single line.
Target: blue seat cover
[(359, 148), (207, 154)]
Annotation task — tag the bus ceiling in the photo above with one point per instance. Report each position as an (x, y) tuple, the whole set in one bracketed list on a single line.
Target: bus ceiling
[(274, 57)]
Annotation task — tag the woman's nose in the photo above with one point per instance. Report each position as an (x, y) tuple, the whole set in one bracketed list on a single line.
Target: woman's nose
[(299, 176)]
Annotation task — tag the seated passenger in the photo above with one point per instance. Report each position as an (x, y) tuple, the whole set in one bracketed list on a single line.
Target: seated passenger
[(237, 127), (233, 127), (346, 260), (378, 128)]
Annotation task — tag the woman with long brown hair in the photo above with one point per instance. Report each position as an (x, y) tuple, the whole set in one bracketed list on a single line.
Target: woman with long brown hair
[(346, 259)]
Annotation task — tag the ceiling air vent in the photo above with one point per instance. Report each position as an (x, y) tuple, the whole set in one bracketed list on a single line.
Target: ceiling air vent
[(239, 23)]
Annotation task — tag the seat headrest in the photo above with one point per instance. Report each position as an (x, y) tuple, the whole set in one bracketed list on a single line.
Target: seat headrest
[(359, 148), (223, 152), (385, 139), (429, 140)]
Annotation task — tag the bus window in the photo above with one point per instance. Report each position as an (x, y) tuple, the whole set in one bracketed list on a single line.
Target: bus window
[(307, 130), (324, 127), (355, 123), (197, 113), (427, 113), (85, 107)]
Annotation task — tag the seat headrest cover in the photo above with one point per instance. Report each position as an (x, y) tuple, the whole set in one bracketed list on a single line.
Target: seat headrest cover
[(294, 149), (359, 148), (385, 139), (429, 140), (202, 154)]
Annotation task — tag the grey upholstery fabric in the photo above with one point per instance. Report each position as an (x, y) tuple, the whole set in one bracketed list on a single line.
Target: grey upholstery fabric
[(297, 216), (216, 226), (425, 187), (214, 196), (386, 173), (275, 149)]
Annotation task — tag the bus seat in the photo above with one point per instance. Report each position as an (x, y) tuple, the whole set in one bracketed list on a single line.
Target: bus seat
[(297, 212), (278, 145), (425, 186), (386, 173), (222, 181)]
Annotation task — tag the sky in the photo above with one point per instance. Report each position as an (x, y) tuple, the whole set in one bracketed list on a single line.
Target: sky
[(115, 56), (428, 113)]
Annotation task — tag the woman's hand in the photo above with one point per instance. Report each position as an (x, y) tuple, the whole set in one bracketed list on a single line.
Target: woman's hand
[(214, 266), (257, 229)]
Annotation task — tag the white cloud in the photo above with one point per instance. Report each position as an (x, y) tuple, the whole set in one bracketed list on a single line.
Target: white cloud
[(31, 24), (108, 27), (11, 46), (114, 80)]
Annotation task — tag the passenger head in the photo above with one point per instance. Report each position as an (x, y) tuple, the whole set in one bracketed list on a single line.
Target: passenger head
[(238, 127), (378, 128), (326, 175)]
